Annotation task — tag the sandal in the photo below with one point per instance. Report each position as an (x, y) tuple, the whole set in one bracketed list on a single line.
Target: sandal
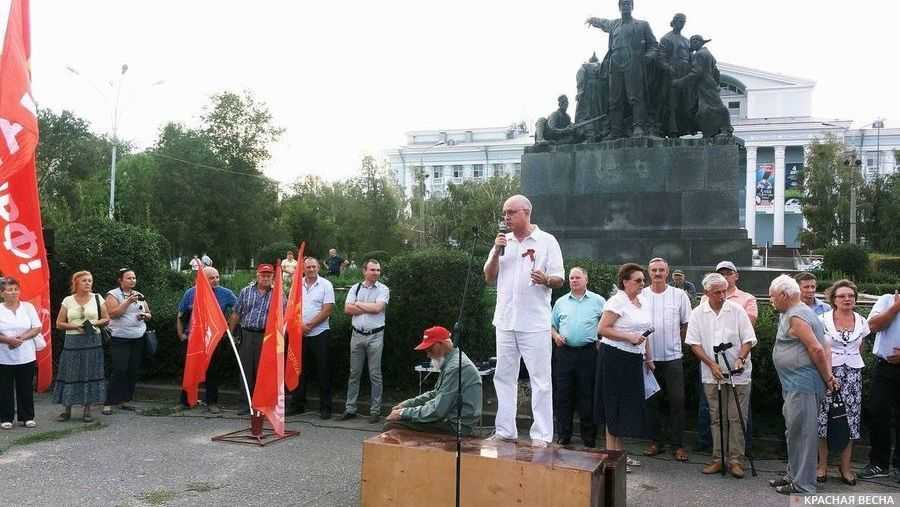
[(787, 489), (681, 455), (6, 425), (65, 416), (821, 478), (850, 482), (775, 483)]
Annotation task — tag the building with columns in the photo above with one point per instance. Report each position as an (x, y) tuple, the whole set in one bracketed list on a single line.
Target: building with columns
[(772, 113)]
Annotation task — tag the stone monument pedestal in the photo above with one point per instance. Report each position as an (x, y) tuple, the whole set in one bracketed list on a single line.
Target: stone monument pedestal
[(630, 200)]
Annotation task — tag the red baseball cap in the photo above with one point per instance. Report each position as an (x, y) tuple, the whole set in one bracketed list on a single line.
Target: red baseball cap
[(265, 268), (433, 335)]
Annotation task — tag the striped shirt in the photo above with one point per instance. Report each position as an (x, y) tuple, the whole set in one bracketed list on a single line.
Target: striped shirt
[(669, 310), (253, 307)]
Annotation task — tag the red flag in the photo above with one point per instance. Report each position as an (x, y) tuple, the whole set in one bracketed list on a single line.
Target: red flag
[(22, 255), (268, 394), (207, 327), (294, 318)]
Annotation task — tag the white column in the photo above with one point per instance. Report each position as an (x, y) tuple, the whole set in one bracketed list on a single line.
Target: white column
[(750, 206), (778, 219)]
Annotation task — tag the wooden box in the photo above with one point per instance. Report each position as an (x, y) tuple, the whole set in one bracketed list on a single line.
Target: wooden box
[(406, 468)]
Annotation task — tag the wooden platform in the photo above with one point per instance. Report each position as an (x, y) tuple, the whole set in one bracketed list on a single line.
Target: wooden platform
[(406, 468)]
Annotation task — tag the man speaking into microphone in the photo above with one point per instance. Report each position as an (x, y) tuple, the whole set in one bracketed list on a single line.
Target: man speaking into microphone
[(526, 264)]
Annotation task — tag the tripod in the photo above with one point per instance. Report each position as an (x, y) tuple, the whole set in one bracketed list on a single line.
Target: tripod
[(720, 349)]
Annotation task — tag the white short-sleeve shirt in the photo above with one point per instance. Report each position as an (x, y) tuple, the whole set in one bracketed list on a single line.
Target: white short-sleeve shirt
[(845, 344), (731, 325), (14, 324), (632, 319), (522, 305), (888, 338), (315, 296), (669, 310)]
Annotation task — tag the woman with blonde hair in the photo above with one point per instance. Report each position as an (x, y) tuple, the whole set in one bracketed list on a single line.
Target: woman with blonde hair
[(79, 378)]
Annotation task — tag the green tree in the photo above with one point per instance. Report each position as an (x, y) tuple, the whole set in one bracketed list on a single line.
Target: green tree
[(308, 214), (881, 209), (826, 205)]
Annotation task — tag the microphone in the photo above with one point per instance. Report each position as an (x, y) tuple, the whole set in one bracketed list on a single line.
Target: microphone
[(647, 332), (503, 230)]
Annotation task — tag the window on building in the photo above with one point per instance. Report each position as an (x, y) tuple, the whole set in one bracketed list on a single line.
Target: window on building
[(498, 169), (458, 171), (477, 170), (437, 172), (517, 169), (734, 105)]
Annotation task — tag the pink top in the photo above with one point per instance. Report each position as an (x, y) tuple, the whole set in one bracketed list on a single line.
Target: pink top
[(747, 301)]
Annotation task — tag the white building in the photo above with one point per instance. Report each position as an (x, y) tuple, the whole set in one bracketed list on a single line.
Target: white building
[(772, 113)]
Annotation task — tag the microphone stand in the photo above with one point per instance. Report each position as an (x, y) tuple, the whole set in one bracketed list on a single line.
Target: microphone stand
[(458, 333)]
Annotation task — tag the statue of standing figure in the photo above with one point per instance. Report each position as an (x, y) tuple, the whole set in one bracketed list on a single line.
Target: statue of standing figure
[(590, 110), (712, 116), (676, 105), (632, 52)]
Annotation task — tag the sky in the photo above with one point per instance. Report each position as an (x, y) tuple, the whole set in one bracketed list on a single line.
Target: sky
[(347, 79)]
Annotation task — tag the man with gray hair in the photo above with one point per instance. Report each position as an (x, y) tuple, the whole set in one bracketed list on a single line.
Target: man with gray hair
[(717, 321), (574, 329), (526, 264), (802, 358), (670, 309)]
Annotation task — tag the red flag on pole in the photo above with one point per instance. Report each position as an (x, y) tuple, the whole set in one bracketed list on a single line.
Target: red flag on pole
[(268, 394), (207, 327), (22, 254), (294, 317)]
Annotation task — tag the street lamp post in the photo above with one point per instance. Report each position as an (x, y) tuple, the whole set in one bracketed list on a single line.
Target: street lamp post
[(115, 143)]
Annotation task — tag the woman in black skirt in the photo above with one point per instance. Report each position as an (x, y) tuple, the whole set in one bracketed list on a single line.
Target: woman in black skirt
[(619, 390), (79, 378)]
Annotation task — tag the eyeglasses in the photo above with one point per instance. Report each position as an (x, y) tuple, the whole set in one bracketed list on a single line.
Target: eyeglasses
[(511, 212), (637, 280)]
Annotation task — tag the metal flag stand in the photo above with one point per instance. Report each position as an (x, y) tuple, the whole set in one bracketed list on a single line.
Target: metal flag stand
[(257, 434)]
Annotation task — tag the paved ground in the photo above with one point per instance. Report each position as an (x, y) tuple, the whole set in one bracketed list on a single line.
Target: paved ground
[(138, 460)]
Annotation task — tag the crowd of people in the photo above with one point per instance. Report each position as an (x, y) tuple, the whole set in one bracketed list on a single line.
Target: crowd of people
[(618, 362)]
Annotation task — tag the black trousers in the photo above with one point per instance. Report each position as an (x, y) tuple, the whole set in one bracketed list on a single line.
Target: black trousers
[(573, 370), (670, 376), (16, 392), (885, 411), (213, 377), (315, 353), (249, 351), (126, 355)]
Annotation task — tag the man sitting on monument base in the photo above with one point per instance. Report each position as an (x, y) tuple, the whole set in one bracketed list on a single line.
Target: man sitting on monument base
[(436, 411)]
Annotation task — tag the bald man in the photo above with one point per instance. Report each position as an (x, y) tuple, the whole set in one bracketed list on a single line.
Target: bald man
[(226, 300), (525, 264)]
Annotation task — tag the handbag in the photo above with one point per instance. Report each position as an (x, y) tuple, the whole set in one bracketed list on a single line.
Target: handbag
[(838, 426), (39, 342), (105, 335), (151, 342)]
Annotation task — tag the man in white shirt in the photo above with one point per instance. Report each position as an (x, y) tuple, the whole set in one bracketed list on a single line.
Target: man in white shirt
[(318, 303), (714, 322), (526, 264), (671, 310)]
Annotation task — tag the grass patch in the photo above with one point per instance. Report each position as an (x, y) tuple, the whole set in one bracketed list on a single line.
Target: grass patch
[(202, 487), (48, 436), (157, 496)]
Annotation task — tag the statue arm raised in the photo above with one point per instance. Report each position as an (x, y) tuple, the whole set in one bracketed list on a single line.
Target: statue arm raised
[(604, 24)]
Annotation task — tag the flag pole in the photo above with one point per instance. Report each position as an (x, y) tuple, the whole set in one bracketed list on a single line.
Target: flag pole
[(241, 368)]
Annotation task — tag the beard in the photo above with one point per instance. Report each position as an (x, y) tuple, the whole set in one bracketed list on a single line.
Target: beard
[(438, 363)]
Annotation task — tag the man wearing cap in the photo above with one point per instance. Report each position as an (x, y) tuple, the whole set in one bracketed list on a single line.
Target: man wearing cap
[(526, 264), (436, 410), (250, 312), (366, 302), (678, 281), (574, 329)]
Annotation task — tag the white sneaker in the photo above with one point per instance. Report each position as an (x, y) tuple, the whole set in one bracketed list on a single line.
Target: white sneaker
[(6, 425), (632, 462), (497, 438), (30, 424)]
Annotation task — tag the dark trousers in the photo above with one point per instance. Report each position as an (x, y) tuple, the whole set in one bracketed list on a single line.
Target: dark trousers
[(249, 352), (573, 387), (213, 377), (670, 376), (704, 436), (885, 412), (315, 352), (126, 355), (16, 392)]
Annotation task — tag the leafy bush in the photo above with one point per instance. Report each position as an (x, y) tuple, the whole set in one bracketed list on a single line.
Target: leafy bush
[(849, 259), (273, 252), (426, 288), (601, 277), (379, 255), (886, 265)]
